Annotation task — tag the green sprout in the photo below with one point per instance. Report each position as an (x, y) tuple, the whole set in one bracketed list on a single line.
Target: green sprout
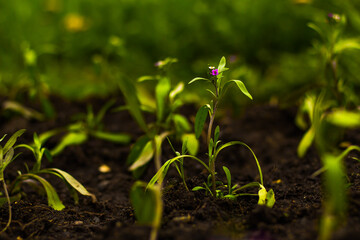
[(6, 157), (87, 125), (214, 145), (163, 102), (33, 176)]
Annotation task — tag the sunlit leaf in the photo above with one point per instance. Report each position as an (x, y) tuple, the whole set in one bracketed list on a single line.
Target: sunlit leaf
[(222, 64), (53, 198), (71, 138), (147, 203), (343, 118), (306, 142), (112, 137), (12, 140), (200, 119), (262, 196), (199, 79), (191, 143), (241, 86), (347, 44), (228, 177), (146, 154), (72, 182), (270, 198), (178, 89), (161, 91)]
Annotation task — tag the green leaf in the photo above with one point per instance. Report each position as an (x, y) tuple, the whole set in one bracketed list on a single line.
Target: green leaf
[(240, 85), (46, 135), (199, 79), (72, 182), (53, 198), (181, 123), (270, 198), (147, 203), (3, 137), (72, 138), (222, 63), (146, 154), (112, 137), (178, 89), (100, 115), (197, 188), (316, 29), (228, 177), (306, 142), (262, 196), (12, 140), (216, 134), (191, 143), (343, 118), (200, 119), (128, 89), (146, 78), (161, 91), (347, 44)]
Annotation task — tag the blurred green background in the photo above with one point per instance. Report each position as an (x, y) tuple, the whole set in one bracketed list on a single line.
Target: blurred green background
[(79, 48)]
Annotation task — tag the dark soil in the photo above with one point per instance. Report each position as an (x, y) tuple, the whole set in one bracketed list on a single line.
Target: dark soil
[(268, 130)]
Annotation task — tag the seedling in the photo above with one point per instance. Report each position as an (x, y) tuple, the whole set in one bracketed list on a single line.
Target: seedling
[(86, 126), (6, 157), (34, 174), (340, 86), (164, 103), (212, 186), (148, 206)]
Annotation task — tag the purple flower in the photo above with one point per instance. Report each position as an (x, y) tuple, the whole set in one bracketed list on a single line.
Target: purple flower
[(214, 72)]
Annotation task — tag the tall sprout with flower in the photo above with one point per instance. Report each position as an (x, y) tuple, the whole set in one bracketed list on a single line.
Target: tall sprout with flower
[(212, 186)]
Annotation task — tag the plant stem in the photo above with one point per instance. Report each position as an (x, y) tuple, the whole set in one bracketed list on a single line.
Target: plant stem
[(212, 160), (9, 204)]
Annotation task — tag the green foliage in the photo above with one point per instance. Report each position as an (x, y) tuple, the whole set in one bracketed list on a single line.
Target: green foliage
[(53, 199), (89, 125), (148, 205), (167, 99), (212, 186)]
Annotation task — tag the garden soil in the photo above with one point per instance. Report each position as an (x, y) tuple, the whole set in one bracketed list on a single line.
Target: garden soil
[(268, 130)]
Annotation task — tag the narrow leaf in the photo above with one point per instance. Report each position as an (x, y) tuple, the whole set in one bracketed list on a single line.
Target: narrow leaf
[(73, 182), (228, 177), (128, 89), (199, 79), (343, 118), (112, 137), (12, 140), (222, 64), (306, 142), (53, 198), (161, 91), (242, 88), (72, 138), (200, 119), (145, 156)]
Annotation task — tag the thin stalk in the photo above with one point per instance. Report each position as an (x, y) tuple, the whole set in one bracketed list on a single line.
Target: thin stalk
[(9, 204), (211, 123)]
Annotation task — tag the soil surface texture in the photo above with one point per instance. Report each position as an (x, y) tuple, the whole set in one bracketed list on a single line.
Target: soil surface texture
[(268, 130)]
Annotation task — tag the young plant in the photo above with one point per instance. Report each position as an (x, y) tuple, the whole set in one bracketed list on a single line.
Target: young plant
[(33, 177), (326, 121), (164, 103), (337, 77), (148, 206), (6, 157), (86, 126), (214, 144)]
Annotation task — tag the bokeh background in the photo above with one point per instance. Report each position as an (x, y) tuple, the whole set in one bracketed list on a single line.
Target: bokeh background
[(80, 48)]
